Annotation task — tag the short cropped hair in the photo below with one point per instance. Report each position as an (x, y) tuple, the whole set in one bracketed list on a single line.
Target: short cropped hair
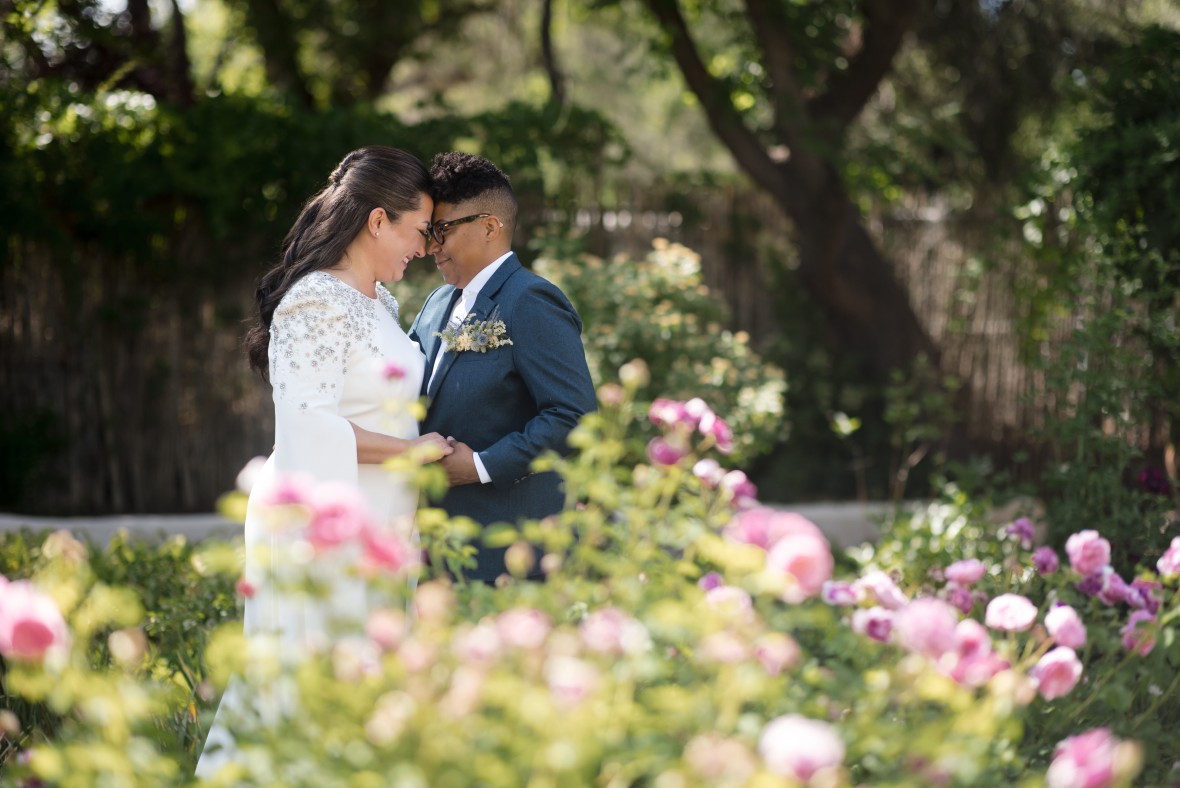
[(464, 177)]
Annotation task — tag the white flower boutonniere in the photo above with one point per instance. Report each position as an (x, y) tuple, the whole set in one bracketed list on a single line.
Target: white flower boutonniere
[(478, 335)]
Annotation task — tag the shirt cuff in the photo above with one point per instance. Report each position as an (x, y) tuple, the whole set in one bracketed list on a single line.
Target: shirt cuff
[(484, 477)]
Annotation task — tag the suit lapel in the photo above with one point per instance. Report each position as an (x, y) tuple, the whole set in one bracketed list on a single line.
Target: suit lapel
[(485, 304)]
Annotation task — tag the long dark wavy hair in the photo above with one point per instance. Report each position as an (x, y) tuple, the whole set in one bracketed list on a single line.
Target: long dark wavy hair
[(375, 176)]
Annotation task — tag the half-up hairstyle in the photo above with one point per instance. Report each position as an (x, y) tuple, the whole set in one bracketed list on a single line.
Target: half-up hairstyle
[(375, 176)]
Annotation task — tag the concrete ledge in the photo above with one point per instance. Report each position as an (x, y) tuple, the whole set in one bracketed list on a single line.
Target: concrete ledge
[(845, 523), (151, 527)]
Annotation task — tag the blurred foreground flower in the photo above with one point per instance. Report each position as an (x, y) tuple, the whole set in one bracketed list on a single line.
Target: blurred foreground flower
[(31, 625)]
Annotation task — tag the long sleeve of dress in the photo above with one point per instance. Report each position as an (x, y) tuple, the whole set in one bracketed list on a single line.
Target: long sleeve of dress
[(311, 336)]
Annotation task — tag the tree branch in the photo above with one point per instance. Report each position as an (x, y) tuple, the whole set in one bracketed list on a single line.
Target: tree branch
[(549, 57), (777, 54), (848, 91), (724, 119)]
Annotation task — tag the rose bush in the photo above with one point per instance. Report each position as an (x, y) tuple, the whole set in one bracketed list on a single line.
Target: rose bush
[(684, 635)]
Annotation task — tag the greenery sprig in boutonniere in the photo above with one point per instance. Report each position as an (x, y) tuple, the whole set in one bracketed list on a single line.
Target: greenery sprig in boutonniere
[(478, 335)]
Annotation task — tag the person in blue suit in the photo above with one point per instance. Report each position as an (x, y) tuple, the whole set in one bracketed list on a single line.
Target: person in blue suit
[(506, 375)]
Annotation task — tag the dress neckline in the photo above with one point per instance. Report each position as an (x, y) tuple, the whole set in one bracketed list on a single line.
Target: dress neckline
[(372, 298)]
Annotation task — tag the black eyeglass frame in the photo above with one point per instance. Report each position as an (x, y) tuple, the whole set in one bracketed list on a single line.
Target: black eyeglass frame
[(438, 230)]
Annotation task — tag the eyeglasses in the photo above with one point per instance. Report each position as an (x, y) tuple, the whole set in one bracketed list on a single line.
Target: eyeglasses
[(438, 230)]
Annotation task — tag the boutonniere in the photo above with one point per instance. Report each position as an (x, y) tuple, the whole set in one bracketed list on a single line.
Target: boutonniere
[(478, 335)]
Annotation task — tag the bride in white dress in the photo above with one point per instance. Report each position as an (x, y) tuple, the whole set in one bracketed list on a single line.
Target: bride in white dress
[(344, 377)]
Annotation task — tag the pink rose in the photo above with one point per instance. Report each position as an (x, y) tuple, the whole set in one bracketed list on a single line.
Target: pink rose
[(715, 427), (387, 550), (339, 514), (523, 628), (966, 573), (1045, 560), (611, 631), (927, 626), (1065, 626), (974, 662), (798, 747), (285, 489), (873, 622), (1133, 640), (960, 598), (392, 371), (670, 413), (1088, 552), (737, 484), (663, 452), (1010, 613), (1022, 530), (764, 527), (479, 644), (777, 652), (709, 471), (839, 594), (31, 625), (1057, 673), (571, 680), (807, 562), (880, 587), (733, 602), (1169, 563), (1114, 588), (387, 628), (1087, 760)]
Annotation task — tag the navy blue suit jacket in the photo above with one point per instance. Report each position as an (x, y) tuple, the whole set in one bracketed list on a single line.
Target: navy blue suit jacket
[(510, 404)]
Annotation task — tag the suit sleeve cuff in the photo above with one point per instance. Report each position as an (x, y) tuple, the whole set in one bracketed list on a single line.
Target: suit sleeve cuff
[(484, 477)]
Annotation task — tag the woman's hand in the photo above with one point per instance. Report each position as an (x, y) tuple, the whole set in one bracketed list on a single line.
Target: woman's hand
[(435, 447)]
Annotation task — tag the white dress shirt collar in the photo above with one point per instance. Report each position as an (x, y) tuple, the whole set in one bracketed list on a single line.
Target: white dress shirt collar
[(471, 292)]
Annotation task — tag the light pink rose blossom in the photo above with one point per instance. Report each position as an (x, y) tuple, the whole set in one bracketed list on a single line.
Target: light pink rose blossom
[(387, 550), (733, 602), (1135, 640), (523, 628), (873, 622), (880, 587), (1057, 672), (1010, 613), (967, 572), (284, 490), (387, 628), (737, 484), (1088, 552), (764, 527), (1084, 761), (1065, 626), (714, 426), (972, 663), (570, 679), (392, 371), (926, 626), (479, 644), (798, 747), (1169, 563), (777, 652), (611, 631), (807, 562), (669, 413), (339, 514), (709, 471), (31, 624)]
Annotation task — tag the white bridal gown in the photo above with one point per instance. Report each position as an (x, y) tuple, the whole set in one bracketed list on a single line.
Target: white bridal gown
[(336, 356)]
